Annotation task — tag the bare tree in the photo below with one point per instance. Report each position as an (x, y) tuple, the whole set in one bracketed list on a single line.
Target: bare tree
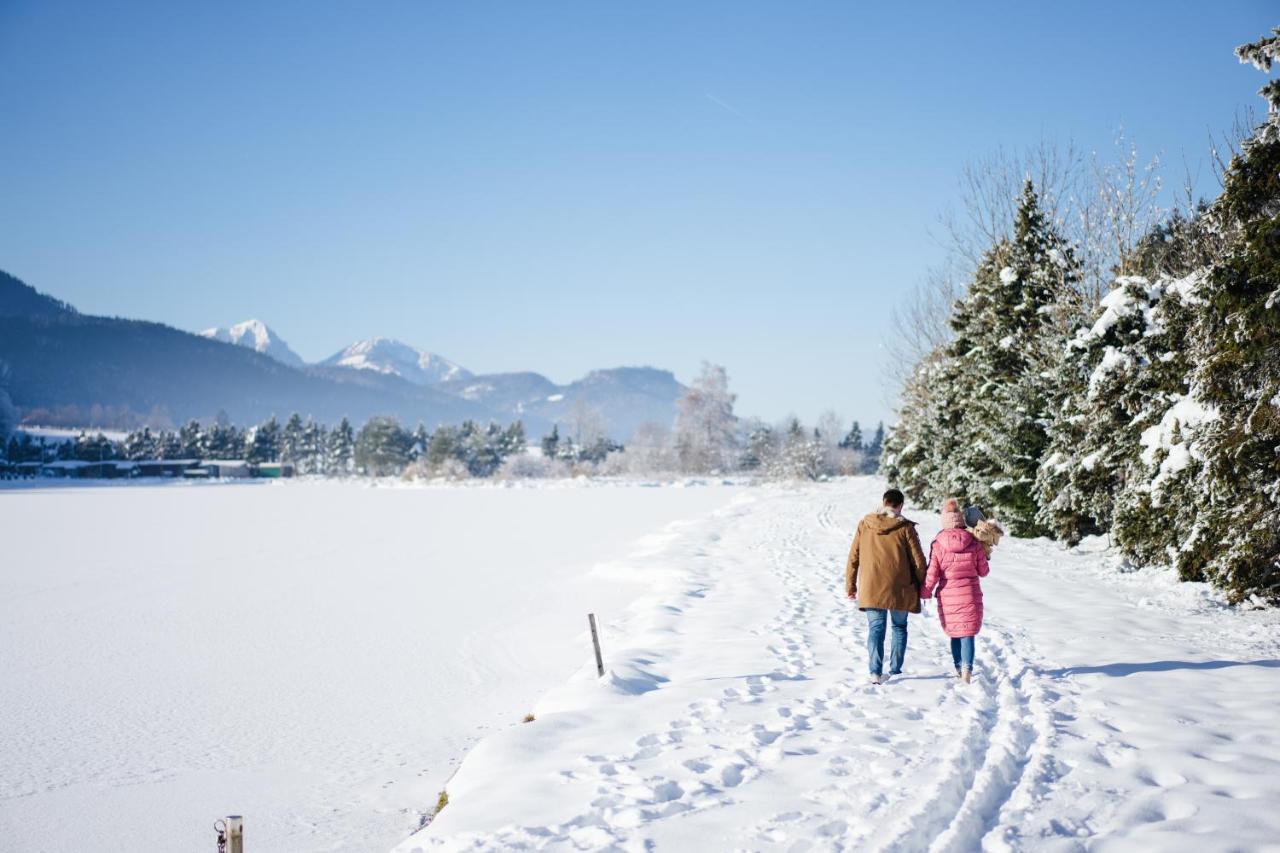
[(586, 426), (919, 323), (1120, 207), (991, 185), (706, 429)]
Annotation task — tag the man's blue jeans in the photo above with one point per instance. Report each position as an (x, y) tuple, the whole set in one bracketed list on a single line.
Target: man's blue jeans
[(875, 639)]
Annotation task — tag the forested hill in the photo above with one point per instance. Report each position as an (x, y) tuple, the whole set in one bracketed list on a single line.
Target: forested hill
[(19, 299)]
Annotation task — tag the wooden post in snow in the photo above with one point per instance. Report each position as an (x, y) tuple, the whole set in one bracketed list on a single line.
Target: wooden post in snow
[(595, 641), (235, 834)]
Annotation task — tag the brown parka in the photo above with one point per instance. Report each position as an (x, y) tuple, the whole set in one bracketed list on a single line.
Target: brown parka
[(886, 564)]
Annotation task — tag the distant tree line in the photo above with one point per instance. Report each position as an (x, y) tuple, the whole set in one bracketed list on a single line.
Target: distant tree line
[(706, 439)]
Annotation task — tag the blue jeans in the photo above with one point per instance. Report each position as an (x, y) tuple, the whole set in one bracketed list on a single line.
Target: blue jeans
[(962, 652), (875, 639)]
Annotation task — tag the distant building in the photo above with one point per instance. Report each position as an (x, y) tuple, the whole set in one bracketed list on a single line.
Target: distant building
[(227, 469), (165, 467), (274, 470)]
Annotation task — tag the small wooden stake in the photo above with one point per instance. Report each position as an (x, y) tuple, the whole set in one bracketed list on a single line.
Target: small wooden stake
[(595, 641), (235, 834)]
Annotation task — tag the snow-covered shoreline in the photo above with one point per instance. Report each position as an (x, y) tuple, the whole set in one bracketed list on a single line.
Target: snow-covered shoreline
[(1113, 710)]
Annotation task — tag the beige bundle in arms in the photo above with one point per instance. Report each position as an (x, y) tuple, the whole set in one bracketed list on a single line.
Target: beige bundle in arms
[(983, 529)]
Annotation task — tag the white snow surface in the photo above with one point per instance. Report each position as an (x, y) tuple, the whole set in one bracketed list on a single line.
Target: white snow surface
[(384, 355), (1110, 711), (257, 336), (315, 656)]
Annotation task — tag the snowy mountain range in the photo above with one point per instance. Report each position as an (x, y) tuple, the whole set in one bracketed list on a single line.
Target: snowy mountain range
[(623, 397), (384, 355), (257, 336), (64, 368)]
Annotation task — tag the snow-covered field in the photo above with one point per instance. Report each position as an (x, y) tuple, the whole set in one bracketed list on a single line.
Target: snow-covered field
[(315, 656), (1110, 711)]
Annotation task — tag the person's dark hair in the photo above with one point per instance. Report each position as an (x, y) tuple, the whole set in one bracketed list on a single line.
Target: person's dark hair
[(894, 498)]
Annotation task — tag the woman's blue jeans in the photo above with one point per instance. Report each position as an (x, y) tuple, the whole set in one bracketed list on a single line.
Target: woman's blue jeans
[(962, 652), (876, 618)]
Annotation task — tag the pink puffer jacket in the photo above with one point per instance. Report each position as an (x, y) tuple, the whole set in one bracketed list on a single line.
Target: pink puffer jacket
[(956, 561)]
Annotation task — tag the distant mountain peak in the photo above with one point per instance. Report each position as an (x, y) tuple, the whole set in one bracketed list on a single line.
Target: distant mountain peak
[(257, 336), (389, 356)]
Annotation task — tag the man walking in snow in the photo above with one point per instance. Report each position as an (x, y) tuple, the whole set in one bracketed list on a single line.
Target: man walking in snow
[(885, 571)]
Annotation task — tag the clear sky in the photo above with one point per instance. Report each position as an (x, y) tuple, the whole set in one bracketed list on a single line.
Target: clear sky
[(563, 186)]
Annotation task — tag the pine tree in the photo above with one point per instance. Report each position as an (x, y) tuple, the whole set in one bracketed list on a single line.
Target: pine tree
[(93, 448), (169, 445), (262, 444), (339, 454), (551, 443), (191, 443), (8, 412), (443, 446), (311, 449), (759, 449), (221, 441), (140, 444), (382, 447), (1119, 376), (291, 438), (1236, 383), (853, 441), (1011, 330), (513, 442)]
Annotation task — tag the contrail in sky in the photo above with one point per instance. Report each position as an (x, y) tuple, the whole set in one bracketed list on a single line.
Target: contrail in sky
[(719, 103)]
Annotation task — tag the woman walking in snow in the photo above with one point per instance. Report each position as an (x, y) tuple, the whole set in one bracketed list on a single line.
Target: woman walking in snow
[(956, 562)]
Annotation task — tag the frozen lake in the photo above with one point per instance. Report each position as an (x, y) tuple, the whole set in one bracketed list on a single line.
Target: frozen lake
[(315, 656)]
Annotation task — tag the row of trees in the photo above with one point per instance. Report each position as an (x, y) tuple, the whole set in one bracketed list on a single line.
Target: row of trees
[(1152, 413), (707, 438)]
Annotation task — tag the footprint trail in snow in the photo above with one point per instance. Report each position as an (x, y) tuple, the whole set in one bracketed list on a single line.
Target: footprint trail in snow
[(737, 715)]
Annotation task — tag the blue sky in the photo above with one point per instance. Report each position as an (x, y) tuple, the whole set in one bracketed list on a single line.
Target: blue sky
[(562, 186)]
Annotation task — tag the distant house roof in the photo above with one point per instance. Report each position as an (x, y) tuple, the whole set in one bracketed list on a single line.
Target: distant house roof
[(227, 463), (168, 461), (68, 464)]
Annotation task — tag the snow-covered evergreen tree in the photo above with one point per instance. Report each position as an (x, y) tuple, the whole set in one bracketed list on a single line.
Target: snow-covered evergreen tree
[(8, 417), (141, 444), (191, 443), (1119, 376), (421, 441), (339, 460), (853, 439), (262, 443), (93, 448), (169, 445), (291, 440), (310, 450), (513, 441), (221, 441), (1011, 329), (382, 447), (551, 443), (1235, 393)]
